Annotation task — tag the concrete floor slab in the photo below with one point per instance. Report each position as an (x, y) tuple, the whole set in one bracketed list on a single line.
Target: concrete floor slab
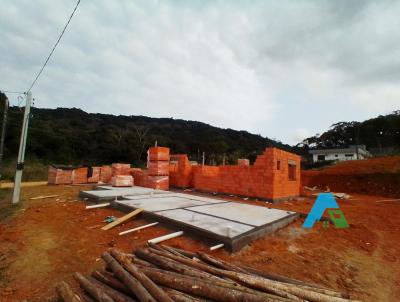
[(207, 223), (133, 190), (161, 204), (243, 213), (202, 216), (113, 192)]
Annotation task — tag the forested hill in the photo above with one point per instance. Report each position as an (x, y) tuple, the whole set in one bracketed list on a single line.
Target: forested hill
[(73, 136), (381, 135)]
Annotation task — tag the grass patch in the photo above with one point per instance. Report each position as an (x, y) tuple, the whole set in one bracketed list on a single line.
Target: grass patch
[(33, 171)]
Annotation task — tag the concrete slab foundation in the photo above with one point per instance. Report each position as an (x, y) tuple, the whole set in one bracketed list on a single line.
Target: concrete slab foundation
[(110, 193), (231, 223)]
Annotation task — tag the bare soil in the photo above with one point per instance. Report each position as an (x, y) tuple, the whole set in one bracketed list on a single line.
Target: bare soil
[(45, 241)]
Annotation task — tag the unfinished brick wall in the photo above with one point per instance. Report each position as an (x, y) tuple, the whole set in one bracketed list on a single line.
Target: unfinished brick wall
[(275, 175), (180, 171)]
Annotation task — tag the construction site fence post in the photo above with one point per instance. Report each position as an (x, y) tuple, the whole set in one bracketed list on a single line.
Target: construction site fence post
[(3, 133), (21, 151)]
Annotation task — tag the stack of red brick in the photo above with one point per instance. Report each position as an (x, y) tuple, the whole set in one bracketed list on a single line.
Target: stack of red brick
[(105, 174), (118, 174), (121, 175), (65, 175), (158, 168), (93, 175), (59, 176)]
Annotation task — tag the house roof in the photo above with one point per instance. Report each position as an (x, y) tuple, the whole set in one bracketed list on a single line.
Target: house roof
[(351, 149)]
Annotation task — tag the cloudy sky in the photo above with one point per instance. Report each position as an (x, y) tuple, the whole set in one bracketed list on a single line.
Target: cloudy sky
[(286, 70)]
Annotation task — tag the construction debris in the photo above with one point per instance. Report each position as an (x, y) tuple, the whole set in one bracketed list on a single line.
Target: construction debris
[(168, 274), (138, 228), (109, 219), (315, 188), (216, 247), (100, 205), (165, 237), (121, 219), (341, 195)]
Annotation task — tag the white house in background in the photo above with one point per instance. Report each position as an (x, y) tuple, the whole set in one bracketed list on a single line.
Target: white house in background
[(351, 153)]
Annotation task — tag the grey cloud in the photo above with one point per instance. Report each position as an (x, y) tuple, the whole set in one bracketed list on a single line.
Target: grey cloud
[(245, 64)]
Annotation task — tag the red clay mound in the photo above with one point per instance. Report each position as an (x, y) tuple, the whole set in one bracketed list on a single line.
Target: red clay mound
[(375, 176)]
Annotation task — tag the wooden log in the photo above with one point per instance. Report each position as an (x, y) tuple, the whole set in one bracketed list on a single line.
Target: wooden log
[(93, 290), (151, 287), (227, 266), (201, 288), (65, 293), (263, 274), (220, 263), (156, 247), (121, 219), (85, 297), (173, 265), (178, 296), (117, 296), (183, 252), (224, 283), (110, 280), (172, 251), (130, 282), (283, 279), (142, 262), (290, 291)]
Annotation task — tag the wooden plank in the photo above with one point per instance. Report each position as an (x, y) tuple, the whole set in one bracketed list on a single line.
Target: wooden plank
[(43, 197), (121, 219)]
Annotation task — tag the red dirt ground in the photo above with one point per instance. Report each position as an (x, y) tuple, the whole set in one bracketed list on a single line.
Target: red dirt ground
[(46, 241), (374, 176)]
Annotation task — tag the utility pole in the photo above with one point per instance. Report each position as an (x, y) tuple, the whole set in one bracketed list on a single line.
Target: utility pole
[(204, 158), (21, 151), (3, 132)]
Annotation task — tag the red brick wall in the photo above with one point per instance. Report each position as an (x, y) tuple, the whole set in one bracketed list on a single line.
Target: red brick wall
[(180, 171), (262, 180), (282, 184)]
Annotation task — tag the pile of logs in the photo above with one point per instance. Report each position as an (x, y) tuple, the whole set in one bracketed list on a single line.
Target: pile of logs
[(166, 274)]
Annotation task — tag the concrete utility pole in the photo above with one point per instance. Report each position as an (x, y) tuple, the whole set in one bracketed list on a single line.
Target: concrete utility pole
[(21, 152), (3, 132)]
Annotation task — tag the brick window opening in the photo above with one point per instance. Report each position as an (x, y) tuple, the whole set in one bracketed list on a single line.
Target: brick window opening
[(292, 171), (278, 165)]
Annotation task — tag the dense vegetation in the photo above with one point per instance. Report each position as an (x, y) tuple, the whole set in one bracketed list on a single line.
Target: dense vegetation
[(73, 136), (381, 135)]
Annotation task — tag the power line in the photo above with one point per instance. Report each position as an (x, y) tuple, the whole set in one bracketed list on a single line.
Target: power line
[(54, 47), (16, 92)]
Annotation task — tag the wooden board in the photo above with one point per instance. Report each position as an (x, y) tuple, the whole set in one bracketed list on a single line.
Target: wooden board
[(121, 219)]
